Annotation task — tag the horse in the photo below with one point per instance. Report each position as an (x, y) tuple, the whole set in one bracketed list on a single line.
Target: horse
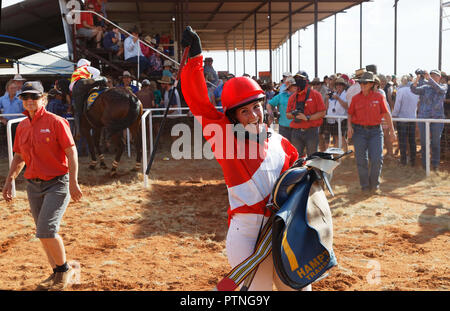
[(114, 109)]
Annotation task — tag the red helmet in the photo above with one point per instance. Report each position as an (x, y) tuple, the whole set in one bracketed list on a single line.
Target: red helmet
[(239, 92)]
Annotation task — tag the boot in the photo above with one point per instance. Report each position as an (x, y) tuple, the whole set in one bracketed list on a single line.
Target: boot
[(77, 131)]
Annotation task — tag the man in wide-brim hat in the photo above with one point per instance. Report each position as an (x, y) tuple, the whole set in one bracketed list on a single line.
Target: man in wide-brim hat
[(356, 87)]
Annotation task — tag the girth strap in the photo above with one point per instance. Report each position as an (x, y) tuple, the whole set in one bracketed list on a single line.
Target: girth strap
[(247, 268)]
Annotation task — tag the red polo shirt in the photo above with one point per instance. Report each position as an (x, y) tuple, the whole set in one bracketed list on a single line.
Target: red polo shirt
[(313, 104), (367, 110), (41, 142)]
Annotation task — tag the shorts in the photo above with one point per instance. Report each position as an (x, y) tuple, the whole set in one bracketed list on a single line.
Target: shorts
[(332, 128), (48, 201), (86, 32)]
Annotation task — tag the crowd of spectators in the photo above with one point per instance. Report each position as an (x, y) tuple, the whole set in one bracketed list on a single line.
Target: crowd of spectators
[(148, 51)]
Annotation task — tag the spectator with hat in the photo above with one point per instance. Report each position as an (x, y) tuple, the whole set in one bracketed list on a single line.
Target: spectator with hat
[(133, 52), (365, 112), (19, 80), (168, 88), (355, 88), (431, 94), (126, 78), (45, 145), (208, 69), (10, 103), (166, 68), (337, 106), (306, 109), (283, 85), (145, 95), (280, 102)]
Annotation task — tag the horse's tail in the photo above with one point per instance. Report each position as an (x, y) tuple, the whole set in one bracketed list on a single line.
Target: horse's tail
[(133, 113)]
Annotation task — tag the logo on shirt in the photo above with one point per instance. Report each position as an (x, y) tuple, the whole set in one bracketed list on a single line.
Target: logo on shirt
[(45, 131)]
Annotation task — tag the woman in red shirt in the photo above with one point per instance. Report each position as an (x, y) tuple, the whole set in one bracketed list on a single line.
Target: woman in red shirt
[(364, 125), (45, 145)]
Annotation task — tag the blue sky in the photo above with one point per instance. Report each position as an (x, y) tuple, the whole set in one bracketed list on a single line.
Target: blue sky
[(417, 44)]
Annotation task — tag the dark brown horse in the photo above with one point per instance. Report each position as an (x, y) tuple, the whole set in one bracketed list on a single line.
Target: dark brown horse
[(114, 109)]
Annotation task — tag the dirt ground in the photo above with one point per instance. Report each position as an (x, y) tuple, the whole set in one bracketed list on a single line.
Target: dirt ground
[(171, 235)]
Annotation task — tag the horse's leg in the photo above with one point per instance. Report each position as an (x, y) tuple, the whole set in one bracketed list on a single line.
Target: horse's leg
[(118, 141), (86, 132), (101, 157)]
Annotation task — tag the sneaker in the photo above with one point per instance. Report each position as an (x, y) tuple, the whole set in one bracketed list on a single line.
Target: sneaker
[(62, 279), (47, 283)]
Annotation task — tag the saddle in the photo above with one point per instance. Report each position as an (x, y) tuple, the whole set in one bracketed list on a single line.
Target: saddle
[(95, 89)]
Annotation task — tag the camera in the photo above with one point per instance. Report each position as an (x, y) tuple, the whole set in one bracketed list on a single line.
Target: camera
[(419, 72), (330, 94)]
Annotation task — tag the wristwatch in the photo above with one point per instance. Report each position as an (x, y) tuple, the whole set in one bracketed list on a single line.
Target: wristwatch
[(308, 117)]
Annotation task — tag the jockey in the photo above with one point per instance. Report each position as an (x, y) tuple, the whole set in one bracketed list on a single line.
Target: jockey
[(249, 175), (83, 79)]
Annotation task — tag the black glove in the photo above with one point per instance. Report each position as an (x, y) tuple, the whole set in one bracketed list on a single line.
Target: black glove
[(191, 39)]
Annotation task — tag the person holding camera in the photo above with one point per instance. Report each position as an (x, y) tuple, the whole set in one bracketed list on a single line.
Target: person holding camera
[(306, 109), (337, 107), (364, 124), (280, 102), (431, 106)]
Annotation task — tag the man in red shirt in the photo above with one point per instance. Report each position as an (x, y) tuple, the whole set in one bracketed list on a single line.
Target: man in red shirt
[(86, 28), (45, 145), (307, 110)]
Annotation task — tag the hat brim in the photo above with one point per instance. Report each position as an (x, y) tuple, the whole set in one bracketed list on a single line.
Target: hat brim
[(164, 82), (30, 92)]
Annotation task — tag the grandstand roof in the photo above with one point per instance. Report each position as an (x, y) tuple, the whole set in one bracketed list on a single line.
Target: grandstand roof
[(224, 23)]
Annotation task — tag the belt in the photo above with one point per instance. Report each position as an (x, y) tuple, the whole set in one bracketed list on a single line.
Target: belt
[(304, 129), (366, 126), (42, 180)]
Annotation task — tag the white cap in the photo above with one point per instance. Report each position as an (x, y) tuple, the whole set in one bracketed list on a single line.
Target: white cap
[(83, 62), (287, 74), (18, 77)]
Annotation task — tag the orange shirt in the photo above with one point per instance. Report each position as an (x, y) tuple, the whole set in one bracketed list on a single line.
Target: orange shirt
[(87, 17), (41, 142), (313, 104), (367, 110), (80, 73)]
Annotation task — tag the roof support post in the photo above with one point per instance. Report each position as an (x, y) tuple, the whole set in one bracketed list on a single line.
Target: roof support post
[(290, 36), (360, 35), (315, 38), (243, 45), (256, 49), (395, 37), (234, 49), (299, 47), (269, 18), (335, 43)]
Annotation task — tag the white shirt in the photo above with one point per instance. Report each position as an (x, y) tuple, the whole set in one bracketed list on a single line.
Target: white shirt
[(405, 103), (339, 110), (177, 99), (352, 91), (131, 48)]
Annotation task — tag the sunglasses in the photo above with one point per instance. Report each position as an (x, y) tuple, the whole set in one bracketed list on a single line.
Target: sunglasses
[(31, 96)]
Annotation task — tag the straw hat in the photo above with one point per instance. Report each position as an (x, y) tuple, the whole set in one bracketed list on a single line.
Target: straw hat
[(340, 81), (165, 80), (367, 77), (359, 72)]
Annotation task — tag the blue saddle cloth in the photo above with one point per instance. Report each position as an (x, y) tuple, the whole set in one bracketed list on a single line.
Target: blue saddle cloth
[(302, 230)]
